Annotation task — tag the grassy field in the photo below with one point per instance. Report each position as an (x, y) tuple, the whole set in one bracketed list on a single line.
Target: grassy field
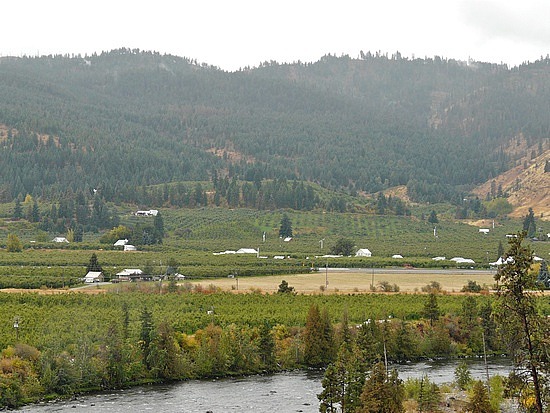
[(353, 281)]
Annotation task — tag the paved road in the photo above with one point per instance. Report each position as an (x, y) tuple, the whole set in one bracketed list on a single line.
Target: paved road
[(437, 271)]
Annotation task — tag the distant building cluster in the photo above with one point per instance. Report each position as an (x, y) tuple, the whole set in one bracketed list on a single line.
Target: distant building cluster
[(149, 213)]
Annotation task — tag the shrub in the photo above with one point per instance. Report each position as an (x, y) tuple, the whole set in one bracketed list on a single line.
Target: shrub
[(471, 287)]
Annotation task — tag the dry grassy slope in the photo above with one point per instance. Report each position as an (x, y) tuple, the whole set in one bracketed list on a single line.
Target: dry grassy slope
[(529, 187)]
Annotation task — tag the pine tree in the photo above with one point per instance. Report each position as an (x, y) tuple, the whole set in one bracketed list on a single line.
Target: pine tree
[(330, 397), (544, 275), (158, 223), (17, 210), (431, 308), (463, 377), (267, 347), (432, 219), (429, 397), (146, 335), (529, 224), (318, 338), (517, 311), (479, 401), (93, 265), (285, 230), (35, 216), (382, 392), (500, 250)]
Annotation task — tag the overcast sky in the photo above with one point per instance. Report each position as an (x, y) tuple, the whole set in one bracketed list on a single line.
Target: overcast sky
[(236, 33)]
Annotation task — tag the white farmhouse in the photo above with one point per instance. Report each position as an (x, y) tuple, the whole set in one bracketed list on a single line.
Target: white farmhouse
[(94, 277)]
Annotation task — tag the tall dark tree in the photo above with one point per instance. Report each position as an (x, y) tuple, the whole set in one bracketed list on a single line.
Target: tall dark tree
[(318, 338), (35, 217), (146, 335), (93, 264), (544, 275), (158, 223), (526, 330), (17, 210), (383, 392), (285, 229), (529, 224), (500, 250), (432, 219), (431, 308), (266, 347), (343, 381)]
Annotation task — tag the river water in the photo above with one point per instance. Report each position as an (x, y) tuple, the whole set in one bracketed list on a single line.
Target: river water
[(282, 392)]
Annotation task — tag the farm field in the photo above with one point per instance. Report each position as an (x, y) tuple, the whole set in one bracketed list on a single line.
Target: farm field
[(355, 280)]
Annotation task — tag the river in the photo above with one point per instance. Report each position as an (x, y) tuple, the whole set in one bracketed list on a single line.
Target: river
[(282, 392)]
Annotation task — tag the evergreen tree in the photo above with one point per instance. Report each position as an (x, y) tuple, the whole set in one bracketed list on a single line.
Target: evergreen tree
[(163, 356), (35, 216), (382, 392), (432, 219), (114, 355), (93, 265), (500, 250), (431, 308), (285, 230), (429, 397), (529, 225), (78, 233), (146, 335), (517, 312), (285, 288), (544, 275), (463, 377), (267, 347), (158, 223), (479, 401), (343, 382), (17, 210), (331, 396), (318, 338)]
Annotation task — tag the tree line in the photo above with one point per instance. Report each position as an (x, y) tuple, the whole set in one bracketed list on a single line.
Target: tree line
[(357, 125)]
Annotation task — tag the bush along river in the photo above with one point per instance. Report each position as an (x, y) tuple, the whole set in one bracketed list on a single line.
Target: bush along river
[(294, 391)]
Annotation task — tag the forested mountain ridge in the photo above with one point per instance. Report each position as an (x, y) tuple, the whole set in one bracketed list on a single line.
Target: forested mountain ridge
[(128, 118)]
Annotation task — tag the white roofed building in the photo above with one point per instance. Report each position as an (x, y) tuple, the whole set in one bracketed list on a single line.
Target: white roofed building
[(363, 252)]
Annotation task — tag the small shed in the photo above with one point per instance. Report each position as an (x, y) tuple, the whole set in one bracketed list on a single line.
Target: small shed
[(121, 243), (60, 239), (397, 256), (128, 247), (363, 252), (247, 251), (94, 277)]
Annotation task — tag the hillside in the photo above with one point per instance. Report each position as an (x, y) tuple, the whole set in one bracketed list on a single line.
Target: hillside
[(127, 119), (526, 185)]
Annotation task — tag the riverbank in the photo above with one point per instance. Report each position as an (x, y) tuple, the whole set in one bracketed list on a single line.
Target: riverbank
[(292, 391)]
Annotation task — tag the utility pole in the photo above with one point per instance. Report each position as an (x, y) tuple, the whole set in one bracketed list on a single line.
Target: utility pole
[(16, 327)]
